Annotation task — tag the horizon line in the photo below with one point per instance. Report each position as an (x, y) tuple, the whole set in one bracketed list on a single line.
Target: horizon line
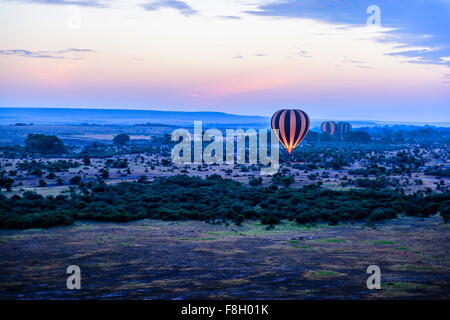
[(221, 112)]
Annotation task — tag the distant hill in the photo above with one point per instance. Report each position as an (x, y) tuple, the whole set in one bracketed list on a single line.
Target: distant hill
[(119, 116), (27, 116)]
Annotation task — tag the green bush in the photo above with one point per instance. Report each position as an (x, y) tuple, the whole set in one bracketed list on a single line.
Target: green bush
[(121, 139), (445, 212), (382, 214), (104, 173), (75, 180), (45, 145), (255, 181), (287, 181)]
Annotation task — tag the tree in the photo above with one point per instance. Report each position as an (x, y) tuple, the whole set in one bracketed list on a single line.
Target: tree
[(51, 176), (86, 161), (445, 213), (104, 173), (121, 139), (142, 179), (269, 219), (255, 181), (75, 180), (5, 182), (238, 219), (39, 143), (381, 214), (287, 181), (167, 162)]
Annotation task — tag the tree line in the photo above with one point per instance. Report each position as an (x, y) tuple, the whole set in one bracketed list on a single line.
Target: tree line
[(215, 200)]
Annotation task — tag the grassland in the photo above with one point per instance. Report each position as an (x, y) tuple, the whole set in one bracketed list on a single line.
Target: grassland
[(150, 259)]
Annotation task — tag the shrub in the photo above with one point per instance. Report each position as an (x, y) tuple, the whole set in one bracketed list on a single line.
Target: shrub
[(142, 179), (382, 214), (121, 139), (51, 176), (445, 213), (86, 161), (304, 218), (104, 173), (75, 180), (287, 181), (269, 219), (117, 164), (39, 143), (255, 181)]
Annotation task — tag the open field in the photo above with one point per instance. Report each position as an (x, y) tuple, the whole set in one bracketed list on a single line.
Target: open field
[(193, 260)]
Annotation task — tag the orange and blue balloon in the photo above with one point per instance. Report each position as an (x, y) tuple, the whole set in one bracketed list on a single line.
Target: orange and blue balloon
[(342, 128), (290, 126), (328, 127)]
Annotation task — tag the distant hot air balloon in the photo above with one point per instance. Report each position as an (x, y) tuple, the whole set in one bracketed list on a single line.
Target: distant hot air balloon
[(328, 127), (292, 126), (342, 128)]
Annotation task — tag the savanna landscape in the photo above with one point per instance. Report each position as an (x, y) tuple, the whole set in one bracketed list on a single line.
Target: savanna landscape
[(141, 226)]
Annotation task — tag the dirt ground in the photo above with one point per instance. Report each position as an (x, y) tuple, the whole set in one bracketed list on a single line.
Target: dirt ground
[(150, 259)]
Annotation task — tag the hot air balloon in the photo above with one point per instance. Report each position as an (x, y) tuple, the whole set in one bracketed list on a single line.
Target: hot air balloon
[(342, 128), (328, 127), (292, 126)]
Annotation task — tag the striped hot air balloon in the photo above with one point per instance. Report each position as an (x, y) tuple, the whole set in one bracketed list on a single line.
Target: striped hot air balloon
[(342, 128), (292, 126), (328, 127)]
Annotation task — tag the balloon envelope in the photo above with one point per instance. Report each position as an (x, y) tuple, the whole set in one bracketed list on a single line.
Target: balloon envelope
[(342, 128), (290, 126), (328, 127)]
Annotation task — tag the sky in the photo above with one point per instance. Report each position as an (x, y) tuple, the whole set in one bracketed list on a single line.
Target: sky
[(334, 59)]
